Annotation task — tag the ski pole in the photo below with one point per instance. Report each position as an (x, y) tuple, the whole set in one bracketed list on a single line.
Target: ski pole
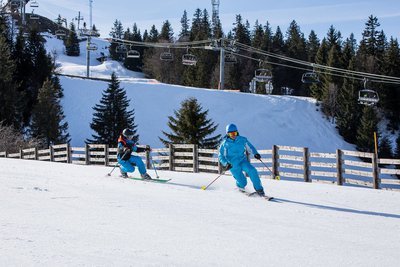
[(205, 187), (275, 177), (116, 165), (154, 167)]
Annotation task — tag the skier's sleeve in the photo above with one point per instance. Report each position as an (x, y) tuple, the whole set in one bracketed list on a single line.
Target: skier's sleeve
[(250, 147), (222, 155)]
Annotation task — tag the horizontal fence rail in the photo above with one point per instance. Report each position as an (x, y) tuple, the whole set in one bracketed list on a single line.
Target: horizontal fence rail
[(344, 167)]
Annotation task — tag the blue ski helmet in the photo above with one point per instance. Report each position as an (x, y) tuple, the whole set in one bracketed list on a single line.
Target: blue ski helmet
[(231, 128)]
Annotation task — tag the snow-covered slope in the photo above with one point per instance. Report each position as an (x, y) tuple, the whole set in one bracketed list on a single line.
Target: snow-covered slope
[(55, 214), (265, 120)]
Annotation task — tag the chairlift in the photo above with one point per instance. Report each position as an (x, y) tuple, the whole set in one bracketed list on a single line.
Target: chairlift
[(121, 49), (230, 59), (310, 77), (263, 75), (34, 4), (368, 97), (91, 47), (133, 54), (34, 16), (166, 56), (189, 60), (60, 33)]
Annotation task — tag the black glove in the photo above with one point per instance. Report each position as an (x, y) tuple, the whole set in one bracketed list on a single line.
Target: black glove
[(228, 167), (147, 148), (257, 156)]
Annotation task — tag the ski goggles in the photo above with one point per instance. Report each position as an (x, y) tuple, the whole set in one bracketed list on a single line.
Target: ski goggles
[(232, 134)]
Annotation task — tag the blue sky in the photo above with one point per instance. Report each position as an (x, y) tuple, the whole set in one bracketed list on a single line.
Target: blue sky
[(347, 16)]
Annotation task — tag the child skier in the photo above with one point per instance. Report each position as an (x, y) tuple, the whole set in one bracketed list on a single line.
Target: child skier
[(233, 157), (126, 160)]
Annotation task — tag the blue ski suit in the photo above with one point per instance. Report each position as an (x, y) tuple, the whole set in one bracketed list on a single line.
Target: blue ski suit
[(126, 160), (233, 151)]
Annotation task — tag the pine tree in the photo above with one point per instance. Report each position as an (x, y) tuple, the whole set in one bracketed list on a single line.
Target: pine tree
[(72, 42), (111, 115), (48, 123), (365, 132), (9, 97), (184, 33), (385, 148), (191, 126)]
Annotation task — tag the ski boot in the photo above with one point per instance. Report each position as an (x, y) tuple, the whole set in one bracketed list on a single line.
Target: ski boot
[(123, 174), (146, 176), (260, 192)]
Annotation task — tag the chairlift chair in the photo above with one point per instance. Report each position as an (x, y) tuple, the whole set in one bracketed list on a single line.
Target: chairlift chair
[(34, 4), (368, 97), (189, 60), (33, 16), (263, 75), (91, 47), (310, 77), (230, 59), (166, 56), (60, 33), (133, 54), (121, 49)]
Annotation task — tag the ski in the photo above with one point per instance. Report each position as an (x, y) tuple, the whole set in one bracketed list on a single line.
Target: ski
[(150, 180), (254, 194)]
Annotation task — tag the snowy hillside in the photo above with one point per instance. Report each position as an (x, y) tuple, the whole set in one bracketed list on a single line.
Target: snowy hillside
[(55, 214), (265, 120)]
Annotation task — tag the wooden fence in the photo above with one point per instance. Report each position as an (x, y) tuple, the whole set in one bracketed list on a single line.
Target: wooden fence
[(344, 167)]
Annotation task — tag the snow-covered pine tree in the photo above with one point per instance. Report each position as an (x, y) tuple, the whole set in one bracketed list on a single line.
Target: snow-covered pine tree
[(191, 126), (111, 116)]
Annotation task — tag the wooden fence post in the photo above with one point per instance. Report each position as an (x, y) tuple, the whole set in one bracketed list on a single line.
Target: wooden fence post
[(171, 157), (375, 174), (106, 155), (306, 158), (51, 150), (87, 154), (68, 148), (275, 163), (35, 155), (195, 158), (21, 153), (148, 163), (339, 167)]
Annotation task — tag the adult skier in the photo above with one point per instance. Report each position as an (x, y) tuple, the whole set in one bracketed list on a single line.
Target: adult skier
[(126, 160), (232, 155)]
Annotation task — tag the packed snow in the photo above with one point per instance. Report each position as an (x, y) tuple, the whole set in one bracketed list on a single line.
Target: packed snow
[(55, 214)]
